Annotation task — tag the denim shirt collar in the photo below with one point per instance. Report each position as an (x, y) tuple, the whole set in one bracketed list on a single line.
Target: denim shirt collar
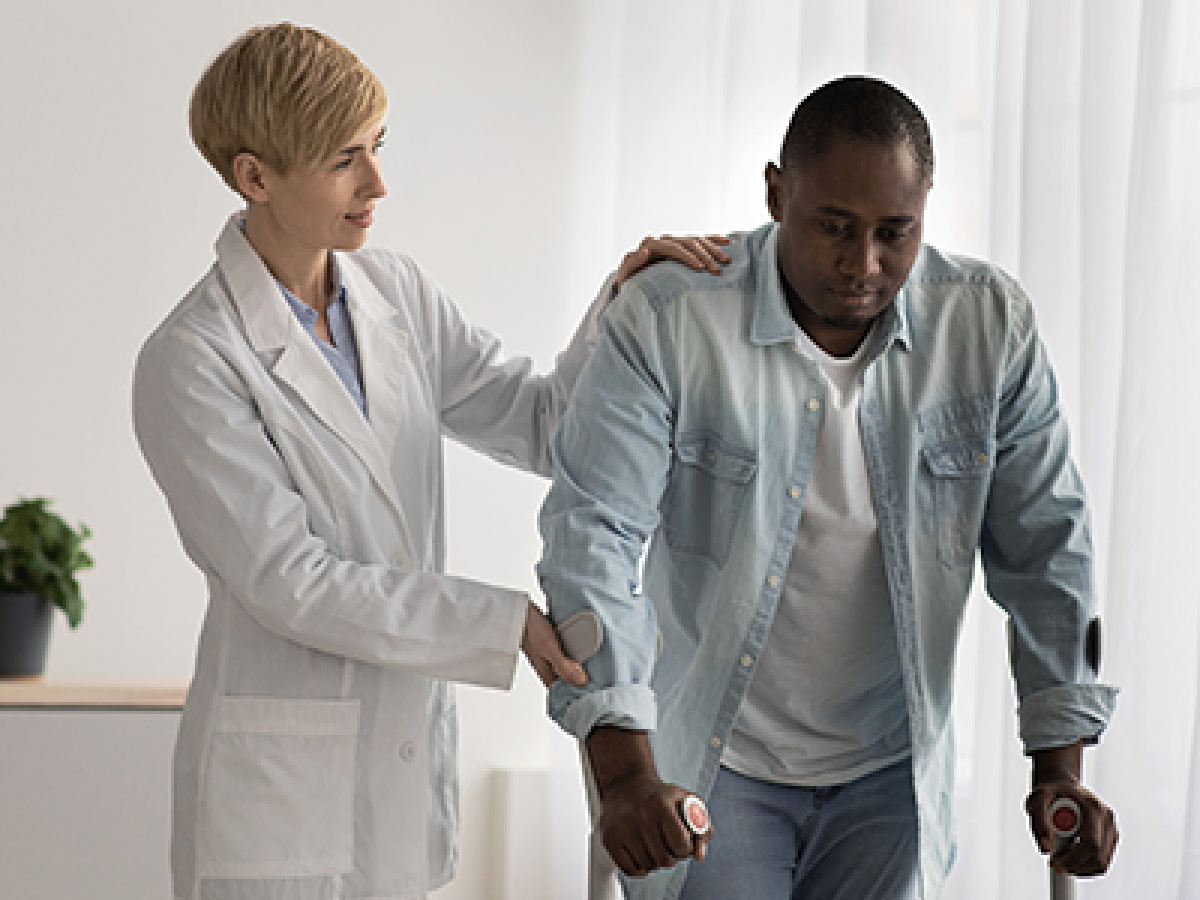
[(773, 322)]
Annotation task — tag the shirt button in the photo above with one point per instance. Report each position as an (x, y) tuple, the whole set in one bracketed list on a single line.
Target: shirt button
[(711, 457), (793, 492), (747, 661), (407, 751), (715, 741), (773, 581), (814, 404)]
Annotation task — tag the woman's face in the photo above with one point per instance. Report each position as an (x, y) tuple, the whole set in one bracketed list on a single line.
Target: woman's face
[(329, 206)]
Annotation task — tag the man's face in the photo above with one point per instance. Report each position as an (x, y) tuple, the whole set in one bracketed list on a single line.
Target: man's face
[(849, 232)]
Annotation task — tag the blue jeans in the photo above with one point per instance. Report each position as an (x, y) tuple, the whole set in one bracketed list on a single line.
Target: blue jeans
[(856, 841)]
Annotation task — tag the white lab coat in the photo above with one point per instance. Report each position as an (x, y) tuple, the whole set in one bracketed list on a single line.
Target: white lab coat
[(316, 755)]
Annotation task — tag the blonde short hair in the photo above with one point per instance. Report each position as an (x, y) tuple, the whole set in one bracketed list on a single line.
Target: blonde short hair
[(291, 96)]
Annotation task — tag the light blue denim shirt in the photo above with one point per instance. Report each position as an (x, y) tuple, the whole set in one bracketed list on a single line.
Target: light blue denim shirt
[(693, 428)]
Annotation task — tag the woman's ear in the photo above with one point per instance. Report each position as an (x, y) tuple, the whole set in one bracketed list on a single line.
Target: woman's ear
[(248, 174)]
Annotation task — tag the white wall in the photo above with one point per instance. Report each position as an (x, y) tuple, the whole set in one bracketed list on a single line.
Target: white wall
[(108, 217)]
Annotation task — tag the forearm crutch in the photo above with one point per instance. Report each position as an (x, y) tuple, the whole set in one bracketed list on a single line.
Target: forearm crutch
[(1064, 822)]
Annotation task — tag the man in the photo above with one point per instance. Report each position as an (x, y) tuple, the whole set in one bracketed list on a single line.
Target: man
[(816, 444)]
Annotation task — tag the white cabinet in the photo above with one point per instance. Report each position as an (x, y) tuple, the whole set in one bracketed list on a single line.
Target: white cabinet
[(85, 792)]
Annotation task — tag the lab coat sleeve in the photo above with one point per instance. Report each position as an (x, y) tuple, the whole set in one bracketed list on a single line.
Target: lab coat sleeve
[(1037, 552), (242, 519), (498, 405)]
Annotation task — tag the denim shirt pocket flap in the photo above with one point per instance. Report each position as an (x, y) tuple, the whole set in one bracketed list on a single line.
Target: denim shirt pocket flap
[(708, 487), (961, 473), (710, 453), (961, 459)]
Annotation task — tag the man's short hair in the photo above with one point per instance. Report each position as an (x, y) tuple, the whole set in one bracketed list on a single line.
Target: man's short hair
[(291, 96), (857, 108)]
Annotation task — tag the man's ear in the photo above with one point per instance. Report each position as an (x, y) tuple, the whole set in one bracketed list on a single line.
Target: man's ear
[(248, 173), (774, 178)]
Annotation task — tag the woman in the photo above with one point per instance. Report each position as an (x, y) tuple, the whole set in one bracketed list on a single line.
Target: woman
[(291, 409)]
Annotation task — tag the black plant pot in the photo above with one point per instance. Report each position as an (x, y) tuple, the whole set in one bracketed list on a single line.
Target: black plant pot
[(25, 621)]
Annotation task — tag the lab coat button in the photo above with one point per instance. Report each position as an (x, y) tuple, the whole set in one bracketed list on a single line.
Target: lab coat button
[(407, 751), (715, 741), (793, 492), (982, 459), (814, 405), (773, 581), (747, 661)]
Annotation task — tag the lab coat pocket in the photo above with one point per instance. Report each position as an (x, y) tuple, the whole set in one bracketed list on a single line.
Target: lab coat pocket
[(960, 481), (279, 789), (708, 486)]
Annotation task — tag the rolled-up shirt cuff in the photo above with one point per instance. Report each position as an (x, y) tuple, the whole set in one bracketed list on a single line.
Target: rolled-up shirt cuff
[(1062, 715), (578, 711)]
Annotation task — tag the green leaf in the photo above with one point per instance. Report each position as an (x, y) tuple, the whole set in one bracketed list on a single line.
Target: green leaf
[(40, 554)]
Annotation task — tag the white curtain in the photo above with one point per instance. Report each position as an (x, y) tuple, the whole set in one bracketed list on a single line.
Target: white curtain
[(1068, 142)]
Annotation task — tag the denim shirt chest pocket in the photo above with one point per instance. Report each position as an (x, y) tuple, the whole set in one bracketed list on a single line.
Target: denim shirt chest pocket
[(709, 482), (959, 453)]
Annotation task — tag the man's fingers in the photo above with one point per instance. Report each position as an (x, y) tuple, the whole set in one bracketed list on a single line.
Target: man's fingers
[(678, 841), (642, 825), (1091, 851), (1082, 861), (656, 849), (647, 839), (631, 853), (1037, 805), (626, 861), (1076, 862), (702, 841)]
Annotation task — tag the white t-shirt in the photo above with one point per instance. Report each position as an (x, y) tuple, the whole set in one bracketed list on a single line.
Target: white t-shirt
[(826, 704)]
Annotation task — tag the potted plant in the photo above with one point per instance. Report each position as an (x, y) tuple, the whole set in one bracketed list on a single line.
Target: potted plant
[(39, 556)]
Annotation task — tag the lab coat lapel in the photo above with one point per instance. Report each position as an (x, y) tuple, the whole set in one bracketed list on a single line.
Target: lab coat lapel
[(271, 326), (383, 351), (302, 368)]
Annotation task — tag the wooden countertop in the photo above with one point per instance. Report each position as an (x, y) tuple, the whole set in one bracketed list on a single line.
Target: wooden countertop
[(52, 696)]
